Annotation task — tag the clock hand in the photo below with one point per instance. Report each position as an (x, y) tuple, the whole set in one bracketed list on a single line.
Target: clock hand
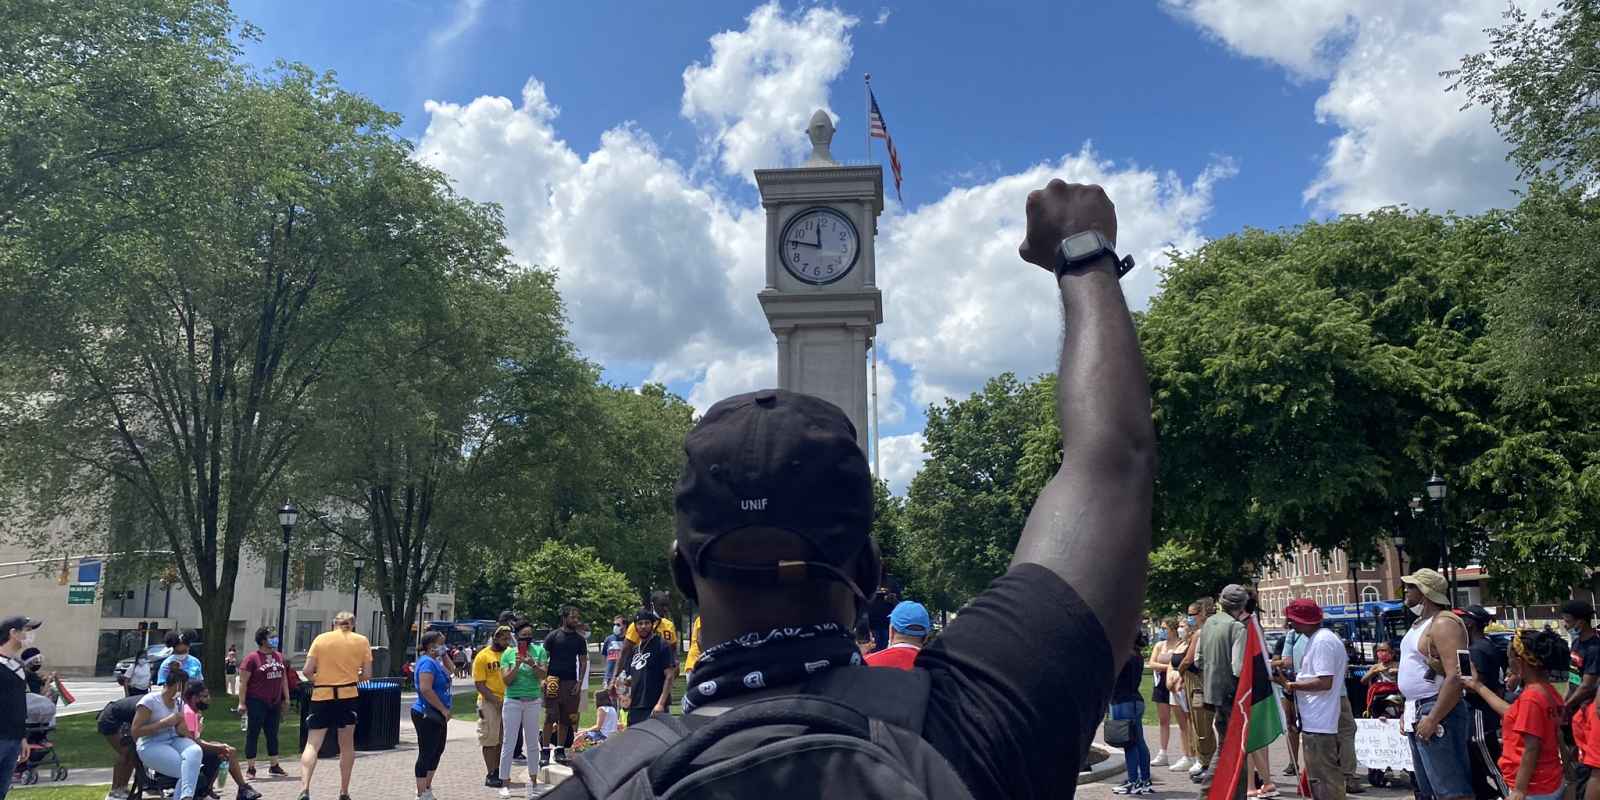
[(807, 244)]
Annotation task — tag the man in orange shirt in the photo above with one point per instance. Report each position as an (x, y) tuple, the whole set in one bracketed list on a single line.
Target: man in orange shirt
[(908, 629), (337, 661)]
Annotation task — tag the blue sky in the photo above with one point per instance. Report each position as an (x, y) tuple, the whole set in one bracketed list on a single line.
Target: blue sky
[(620, 138)]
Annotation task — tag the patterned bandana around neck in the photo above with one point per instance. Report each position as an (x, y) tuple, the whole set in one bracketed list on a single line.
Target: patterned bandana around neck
[(778, 657)]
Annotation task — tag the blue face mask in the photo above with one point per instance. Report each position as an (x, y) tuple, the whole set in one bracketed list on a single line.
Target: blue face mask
[(1191, 620), (272, 642)]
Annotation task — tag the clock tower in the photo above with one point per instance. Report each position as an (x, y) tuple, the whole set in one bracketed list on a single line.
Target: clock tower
[(821, 296)]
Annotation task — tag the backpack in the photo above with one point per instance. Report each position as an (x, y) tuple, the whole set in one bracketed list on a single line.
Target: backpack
[(849, 732)]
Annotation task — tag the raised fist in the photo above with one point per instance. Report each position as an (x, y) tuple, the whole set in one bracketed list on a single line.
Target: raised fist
[(1060, 210)]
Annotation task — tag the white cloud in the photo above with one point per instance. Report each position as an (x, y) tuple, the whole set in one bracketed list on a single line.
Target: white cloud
[(961, 307), (902, 456), (883, 16), (464, 17), (660, 267), (752, 101), (1403, 138)]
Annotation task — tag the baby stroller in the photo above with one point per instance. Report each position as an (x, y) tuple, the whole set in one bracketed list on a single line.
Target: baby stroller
[(40, 724)]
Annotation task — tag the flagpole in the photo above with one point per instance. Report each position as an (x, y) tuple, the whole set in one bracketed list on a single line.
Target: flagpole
[(867, 78), (877, 457)]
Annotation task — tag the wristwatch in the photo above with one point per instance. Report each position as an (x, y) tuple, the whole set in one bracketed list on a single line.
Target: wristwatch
[(1082, 248)]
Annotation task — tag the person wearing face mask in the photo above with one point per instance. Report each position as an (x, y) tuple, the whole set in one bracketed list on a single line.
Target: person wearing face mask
[(263, 693), (491, 686), (196, 699), (1159, 664), (16, 635), (612, 647), (1201, 717), (430, 714), (179, 641), (1176, 648), (1437, 719), (45, 684)]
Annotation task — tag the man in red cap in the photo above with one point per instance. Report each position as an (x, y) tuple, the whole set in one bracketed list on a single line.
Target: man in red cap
[(1316, 688)]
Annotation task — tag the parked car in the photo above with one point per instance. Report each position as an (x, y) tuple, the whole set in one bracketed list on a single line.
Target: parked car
[(154, 654)]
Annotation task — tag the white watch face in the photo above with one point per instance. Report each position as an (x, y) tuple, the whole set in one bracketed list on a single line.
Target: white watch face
[(819, 246)]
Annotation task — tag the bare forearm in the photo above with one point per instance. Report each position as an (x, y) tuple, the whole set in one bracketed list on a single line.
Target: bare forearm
[(1091, 524), (1530, 760)]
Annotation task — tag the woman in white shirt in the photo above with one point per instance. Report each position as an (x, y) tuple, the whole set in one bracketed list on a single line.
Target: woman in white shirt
[(166, 744)]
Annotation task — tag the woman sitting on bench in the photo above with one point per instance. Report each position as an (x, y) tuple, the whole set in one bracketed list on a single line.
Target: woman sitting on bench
[(165, 743)]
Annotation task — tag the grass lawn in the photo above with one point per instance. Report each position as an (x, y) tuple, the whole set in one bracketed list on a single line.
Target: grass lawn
[(80, 746), (48, 792)]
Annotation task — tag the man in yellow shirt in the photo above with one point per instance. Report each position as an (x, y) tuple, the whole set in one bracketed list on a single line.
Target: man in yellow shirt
[(491, 684), (694, 647), (336, 662)]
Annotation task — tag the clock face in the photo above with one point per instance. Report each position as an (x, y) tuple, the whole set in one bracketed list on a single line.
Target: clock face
[(819, 246)]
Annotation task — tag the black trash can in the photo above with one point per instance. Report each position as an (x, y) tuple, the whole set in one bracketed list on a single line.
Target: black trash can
[(377, 719), (378, 715)]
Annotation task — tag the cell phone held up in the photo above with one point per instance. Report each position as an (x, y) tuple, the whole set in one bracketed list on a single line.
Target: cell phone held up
[(1464, 662)]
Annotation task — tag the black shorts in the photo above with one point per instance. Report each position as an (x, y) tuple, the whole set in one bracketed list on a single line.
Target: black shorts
[(1160, 694), (331, 714), (108, 726)]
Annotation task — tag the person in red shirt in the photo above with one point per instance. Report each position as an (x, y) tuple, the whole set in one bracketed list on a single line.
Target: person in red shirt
[(1531, 755), (908, 629)]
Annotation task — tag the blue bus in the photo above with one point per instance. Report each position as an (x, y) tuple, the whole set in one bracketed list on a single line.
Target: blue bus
[(1364, 625)]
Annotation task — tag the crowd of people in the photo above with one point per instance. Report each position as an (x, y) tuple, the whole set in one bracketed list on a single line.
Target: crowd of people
[(1482, 723)]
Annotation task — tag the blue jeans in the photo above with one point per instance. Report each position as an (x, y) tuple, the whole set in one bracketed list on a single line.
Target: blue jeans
[(10, 751), (175, 758), (1441, 763), (1136, 753)]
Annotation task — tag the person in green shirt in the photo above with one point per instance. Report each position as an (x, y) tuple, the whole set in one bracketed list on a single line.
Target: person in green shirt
[(524, 668)]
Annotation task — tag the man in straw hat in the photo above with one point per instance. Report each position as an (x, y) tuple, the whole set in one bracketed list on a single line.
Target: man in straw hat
[(1438, 719)]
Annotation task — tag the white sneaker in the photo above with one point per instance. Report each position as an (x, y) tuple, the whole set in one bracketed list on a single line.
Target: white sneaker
[(425, 794), (505, 791), (1196, 768), (1181, 764), (1160, 760)]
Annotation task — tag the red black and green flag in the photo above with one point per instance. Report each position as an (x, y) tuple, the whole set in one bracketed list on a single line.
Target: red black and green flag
[(1257, 716)]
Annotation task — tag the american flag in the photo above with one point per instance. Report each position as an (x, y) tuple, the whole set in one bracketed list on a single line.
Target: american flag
[(878, 129)]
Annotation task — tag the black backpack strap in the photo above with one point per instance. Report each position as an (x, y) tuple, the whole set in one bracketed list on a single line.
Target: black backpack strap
[(604, 769), (815, 714), (896, 696)]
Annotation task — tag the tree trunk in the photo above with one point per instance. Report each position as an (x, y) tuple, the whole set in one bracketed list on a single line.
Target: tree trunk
[(214, 634)]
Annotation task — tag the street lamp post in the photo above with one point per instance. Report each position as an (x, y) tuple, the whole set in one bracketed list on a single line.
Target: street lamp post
[(355, 598), (287, 517), (1437, 491)]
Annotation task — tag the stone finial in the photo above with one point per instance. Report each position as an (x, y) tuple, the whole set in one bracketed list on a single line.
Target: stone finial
[(820, 128)]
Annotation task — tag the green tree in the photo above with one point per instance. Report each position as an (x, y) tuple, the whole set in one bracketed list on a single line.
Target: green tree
[(559, 573), (1307, 381), (1539, 78), (176, 355), (965, 508)]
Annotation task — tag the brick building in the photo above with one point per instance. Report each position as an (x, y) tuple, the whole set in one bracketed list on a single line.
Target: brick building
[(1328, 578)]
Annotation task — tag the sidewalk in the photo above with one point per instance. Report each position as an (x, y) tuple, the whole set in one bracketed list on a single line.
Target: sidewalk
[(1171, 784)]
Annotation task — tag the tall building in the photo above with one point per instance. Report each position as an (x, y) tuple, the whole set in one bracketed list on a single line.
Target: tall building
[(1329, 578)]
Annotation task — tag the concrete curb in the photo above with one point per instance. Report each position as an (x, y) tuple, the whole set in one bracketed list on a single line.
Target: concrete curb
[(1113, 764)]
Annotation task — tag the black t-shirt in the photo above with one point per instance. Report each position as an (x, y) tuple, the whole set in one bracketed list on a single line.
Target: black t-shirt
[(647, 671), (1585, 658), (1028, 664), (119, 712), (1491, 666), (13, 702), (1126, 689), (565, 648), (879, 608)]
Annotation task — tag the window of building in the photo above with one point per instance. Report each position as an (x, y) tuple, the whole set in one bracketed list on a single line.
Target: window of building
[(316, 569), (1369, 594), (274, 570), (304, 632)]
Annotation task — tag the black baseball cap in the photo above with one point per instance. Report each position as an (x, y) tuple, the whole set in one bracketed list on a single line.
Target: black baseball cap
[(19, 623), (646, 615), (1477, 614), (775, 460)]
